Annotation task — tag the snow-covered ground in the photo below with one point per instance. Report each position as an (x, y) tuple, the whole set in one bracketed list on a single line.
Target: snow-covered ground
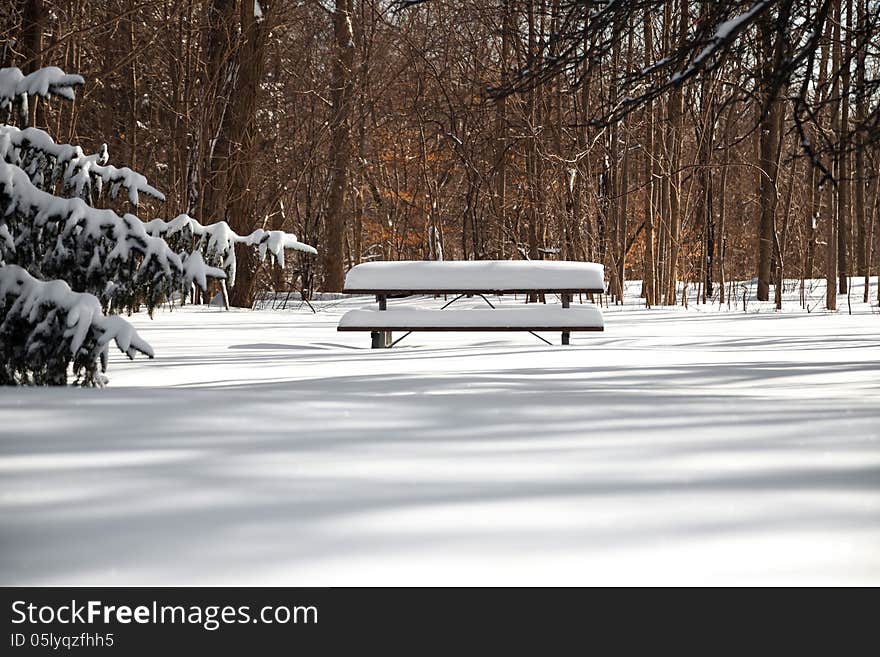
[(677, 447)]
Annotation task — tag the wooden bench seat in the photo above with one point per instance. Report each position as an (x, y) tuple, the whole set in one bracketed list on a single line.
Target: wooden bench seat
[(532, 317)]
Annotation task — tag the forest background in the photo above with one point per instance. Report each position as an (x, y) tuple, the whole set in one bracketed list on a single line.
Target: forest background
[(673, 141)]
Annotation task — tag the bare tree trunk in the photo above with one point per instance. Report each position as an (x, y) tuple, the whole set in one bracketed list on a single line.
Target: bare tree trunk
[(722, 210), (778, 245), (843, 181), (831, 264), (532, 168), (33, 23), (769, 141), (875, 226), (132, 84), (501, 137), (819, 212), (704, 175), (217, 92), (243, 215), (623, 191), (648, 261), (342, 84), (676, 122), (614, 176), (863, 235)]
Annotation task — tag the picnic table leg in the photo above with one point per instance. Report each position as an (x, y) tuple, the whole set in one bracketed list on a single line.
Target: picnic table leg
[(381, 339), (566, 302)]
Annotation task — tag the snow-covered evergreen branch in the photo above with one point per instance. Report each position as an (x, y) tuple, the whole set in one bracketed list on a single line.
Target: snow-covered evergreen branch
[(44, 326), (15, 87), (216, 242), (86, 176), (94, 250)]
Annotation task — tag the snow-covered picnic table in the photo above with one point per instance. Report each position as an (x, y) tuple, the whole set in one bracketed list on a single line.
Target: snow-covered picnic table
[(473, 278)]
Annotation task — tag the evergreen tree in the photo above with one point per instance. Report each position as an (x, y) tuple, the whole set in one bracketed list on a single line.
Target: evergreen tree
[(66, 263)]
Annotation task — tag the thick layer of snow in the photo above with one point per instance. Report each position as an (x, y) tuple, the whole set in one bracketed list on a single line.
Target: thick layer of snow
[(677, 447), (533, 316), (218, 240), (45, 82), (496, 275), (71, 164)]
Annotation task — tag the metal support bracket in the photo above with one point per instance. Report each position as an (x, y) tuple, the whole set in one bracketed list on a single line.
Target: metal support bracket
[(566, 303), (381, 339)]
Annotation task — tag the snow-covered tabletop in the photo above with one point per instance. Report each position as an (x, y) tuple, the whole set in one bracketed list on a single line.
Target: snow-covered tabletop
[(475, 276)]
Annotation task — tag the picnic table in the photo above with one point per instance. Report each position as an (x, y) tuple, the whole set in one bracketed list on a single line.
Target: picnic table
[(478, 278)]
